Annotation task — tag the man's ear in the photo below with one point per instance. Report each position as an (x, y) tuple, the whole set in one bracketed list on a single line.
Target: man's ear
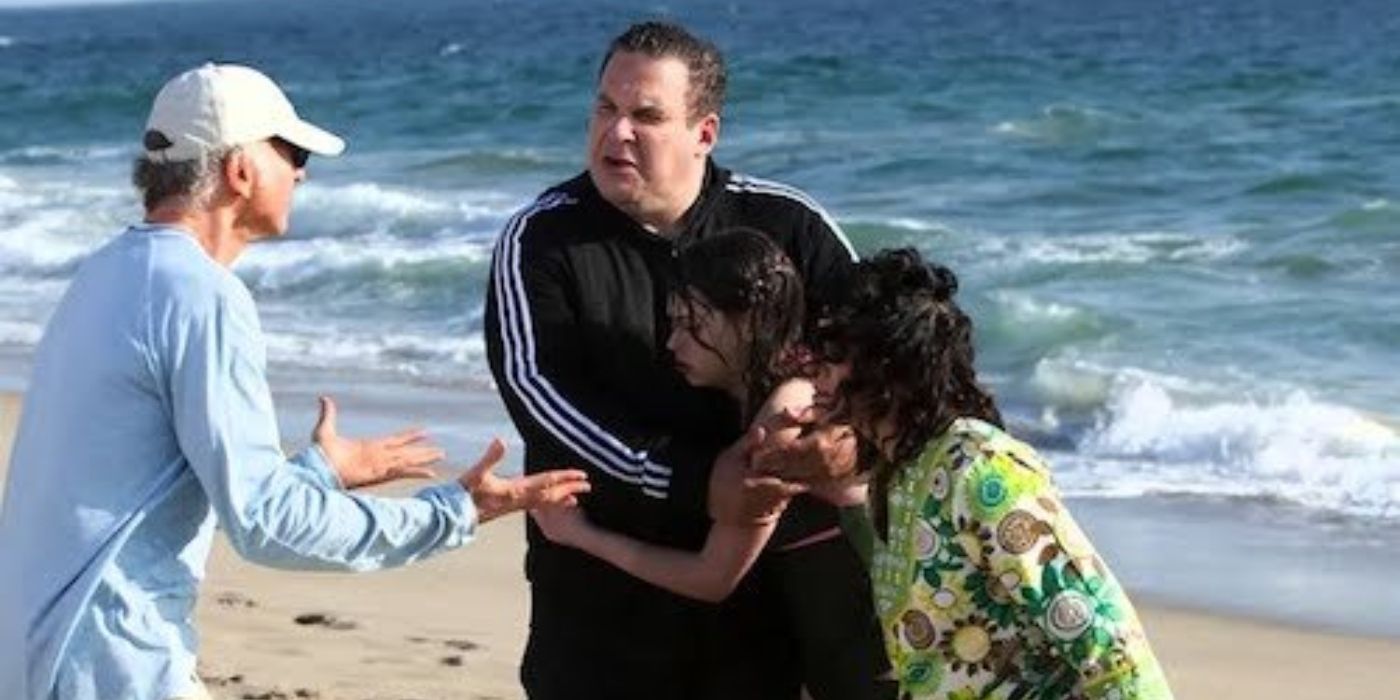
[(240, 173), (709, 133)]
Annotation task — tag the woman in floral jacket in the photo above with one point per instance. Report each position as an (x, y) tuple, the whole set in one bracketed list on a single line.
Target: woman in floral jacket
[(985, 586)]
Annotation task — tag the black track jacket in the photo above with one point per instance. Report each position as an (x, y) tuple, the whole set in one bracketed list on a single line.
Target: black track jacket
[(576, 330)]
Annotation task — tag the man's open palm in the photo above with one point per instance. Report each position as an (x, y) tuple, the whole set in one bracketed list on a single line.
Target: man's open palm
[(359, 463)]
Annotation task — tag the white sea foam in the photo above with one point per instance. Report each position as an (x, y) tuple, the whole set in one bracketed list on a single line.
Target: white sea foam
[(405, 352), (50, 226), (1026, 323), (1066, 383), (43, 243), (1058, 123), (14, 199), (369, 197), (1155, 434), (1107, 248), (76, 155), (294, 262), (912, 230), (1023, 308), (374, 198), (360, 208), (20, 332), (912, 224)]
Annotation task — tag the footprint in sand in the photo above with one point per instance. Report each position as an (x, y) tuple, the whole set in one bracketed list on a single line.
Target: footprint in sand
[(326, 620), (230, 599), (281, 695), (221, 681), (458, 644)]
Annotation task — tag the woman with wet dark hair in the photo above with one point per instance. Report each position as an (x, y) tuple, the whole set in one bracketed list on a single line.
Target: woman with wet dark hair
[(735, 311), (985, 586), (741, 280), (736, 314)]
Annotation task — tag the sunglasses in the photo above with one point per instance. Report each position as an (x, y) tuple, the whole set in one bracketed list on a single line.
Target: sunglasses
[(296, 154)]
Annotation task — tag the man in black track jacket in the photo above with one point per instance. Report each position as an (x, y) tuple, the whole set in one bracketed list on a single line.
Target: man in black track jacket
[(576, 329)]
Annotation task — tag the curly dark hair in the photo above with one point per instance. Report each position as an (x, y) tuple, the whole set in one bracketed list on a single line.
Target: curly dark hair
[(742, 271), (910, 350), (703, 61)]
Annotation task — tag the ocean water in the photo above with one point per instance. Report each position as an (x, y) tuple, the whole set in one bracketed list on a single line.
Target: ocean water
[(1177, 223)]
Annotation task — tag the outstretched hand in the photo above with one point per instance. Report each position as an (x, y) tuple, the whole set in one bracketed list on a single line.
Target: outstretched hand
[(359, 463), (495, 496)]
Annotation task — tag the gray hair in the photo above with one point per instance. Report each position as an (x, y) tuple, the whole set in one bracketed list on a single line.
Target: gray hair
[(190, 184)]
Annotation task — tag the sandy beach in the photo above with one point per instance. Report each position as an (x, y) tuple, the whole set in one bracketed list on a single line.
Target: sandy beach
[(453, 628)]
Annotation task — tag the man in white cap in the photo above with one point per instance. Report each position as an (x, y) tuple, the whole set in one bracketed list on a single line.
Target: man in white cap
[(148, 419)]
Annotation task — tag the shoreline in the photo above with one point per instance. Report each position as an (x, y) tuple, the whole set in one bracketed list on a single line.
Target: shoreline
[(455, 626)]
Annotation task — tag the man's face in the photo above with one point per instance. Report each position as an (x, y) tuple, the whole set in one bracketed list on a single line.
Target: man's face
[(645, 153), (281, 166)]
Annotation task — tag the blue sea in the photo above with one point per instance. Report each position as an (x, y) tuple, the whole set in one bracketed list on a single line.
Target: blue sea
[(1177, 223)]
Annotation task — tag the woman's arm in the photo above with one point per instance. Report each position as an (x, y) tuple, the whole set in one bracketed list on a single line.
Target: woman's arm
[(709, 575), (730, 549)]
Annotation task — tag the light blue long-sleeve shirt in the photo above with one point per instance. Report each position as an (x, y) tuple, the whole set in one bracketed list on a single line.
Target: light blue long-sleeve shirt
[(147, 420)]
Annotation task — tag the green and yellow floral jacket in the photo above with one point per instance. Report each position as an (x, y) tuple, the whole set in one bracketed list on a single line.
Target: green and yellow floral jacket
[(986, 587)]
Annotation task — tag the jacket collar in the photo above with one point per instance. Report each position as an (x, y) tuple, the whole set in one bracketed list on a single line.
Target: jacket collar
[(692, 222)]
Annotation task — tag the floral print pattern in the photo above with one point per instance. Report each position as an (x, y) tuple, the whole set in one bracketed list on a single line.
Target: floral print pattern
[(986, 587)]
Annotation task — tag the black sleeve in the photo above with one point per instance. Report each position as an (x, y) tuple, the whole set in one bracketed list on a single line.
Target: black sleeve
[(821, 252), (560, 410), (829, 256)]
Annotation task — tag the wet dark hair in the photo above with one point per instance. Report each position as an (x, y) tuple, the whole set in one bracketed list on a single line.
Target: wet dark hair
[(703, 61), (910, 350), (742, 271)]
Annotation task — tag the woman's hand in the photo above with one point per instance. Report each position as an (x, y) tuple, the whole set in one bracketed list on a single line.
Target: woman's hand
[(801, 447), (738, 496)]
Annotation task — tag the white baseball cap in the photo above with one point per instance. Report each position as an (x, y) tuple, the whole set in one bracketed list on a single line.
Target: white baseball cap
[(220, 106)]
